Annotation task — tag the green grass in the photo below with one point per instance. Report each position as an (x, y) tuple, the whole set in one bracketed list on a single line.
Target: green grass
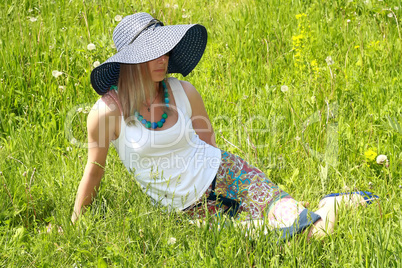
[(254, 48)]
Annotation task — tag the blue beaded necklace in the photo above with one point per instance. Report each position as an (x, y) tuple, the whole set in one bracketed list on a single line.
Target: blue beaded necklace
[(160, 123), (149, 124)]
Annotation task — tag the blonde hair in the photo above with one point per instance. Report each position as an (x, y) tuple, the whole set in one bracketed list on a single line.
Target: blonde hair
[(134, 81)]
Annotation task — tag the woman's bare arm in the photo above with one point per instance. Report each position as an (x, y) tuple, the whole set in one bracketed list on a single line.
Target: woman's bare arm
[(201, 123), (101, 124)]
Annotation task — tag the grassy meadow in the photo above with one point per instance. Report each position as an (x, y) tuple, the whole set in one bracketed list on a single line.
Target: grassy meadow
[(308, 91)]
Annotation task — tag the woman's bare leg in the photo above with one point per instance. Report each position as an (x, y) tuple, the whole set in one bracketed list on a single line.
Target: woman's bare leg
[(328, 210)]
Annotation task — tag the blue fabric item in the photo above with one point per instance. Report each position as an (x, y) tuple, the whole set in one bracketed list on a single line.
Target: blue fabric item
[(366, 195), (306, 219)]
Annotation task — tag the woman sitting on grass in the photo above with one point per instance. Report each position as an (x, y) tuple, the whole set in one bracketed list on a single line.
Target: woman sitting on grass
[(161, 131)]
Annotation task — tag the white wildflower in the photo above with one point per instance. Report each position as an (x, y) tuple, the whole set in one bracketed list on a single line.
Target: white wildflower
[(370, 183), (171, 241), (30, 10), (33, 19), (381, 159), (91, 46), (297, 138), (390, 15), (396, 8), (329, 60), (167, 5), (62, 88), (118, 18), (348, 21), (79, 110), (69, 149), (56, 73), (96, 64), (284, 88), (175, 6), (184, 16), (313, 98)]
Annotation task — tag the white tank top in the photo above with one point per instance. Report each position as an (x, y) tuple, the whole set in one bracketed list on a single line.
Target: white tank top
[(173, 166)]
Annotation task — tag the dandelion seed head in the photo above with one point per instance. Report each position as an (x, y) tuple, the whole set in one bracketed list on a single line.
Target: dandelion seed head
[(33, 19), (297, 138), (184, 16), (167, 5), (56, 73), (390, 15), (175, 6), (171, 241), (62, 88), (284, 88), (348, 21), (396, 8), (381, 159), (79, 110), (329, 60), (96, 64), (91, 46), (118, 18)]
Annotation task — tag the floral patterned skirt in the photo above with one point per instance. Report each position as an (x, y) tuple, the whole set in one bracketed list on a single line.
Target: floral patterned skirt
[(254, 193)]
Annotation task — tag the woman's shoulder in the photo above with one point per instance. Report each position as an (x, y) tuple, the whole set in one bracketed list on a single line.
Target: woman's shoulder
[(106, 106), (188, 88), (191, 91)]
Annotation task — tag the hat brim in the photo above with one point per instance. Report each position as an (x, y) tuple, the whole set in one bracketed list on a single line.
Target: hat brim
[(185, 42)]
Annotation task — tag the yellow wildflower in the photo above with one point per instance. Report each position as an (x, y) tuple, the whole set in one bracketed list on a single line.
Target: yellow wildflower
[(370, 155), (298, 16)]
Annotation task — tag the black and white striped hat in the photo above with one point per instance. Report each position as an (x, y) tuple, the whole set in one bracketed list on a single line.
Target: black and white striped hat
[(140, 38)]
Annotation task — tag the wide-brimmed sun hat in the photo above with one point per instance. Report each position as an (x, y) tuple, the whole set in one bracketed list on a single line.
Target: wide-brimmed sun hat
[(140, 38)]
